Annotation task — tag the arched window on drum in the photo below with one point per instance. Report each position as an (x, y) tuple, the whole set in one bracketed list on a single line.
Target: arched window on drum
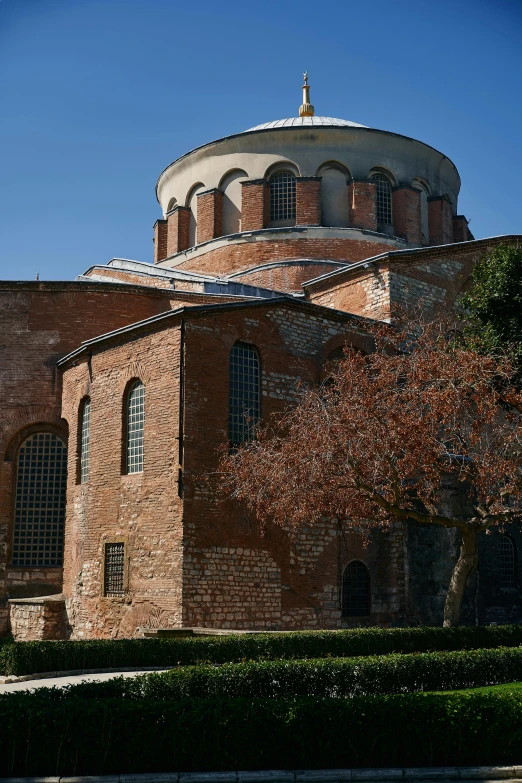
[(356, 598), (39, 514), (384, 200), (282, 198)]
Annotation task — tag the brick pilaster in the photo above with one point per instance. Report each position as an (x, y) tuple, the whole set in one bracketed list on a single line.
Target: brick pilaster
[(440, 220), (178, 230), (160, 241), (363, 204), (308, 201), (210, 214), (254, 204), (406, 205), (461, 232)]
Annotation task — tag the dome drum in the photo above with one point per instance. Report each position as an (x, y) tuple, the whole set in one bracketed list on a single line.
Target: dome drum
[(308, 171)]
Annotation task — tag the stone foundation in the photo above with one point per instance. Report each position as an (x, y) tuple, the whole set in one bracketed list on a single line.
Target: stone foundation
[(32, 619)]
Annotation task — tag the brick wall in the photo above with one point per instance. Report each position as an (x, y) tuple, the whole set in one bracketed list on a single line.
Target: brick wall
[(160, 240), (39, 323), (210, 214), (178, 230), (254, 204), (363, 205), (440, 220), (235, 257), (406, 202), (200, 560), (308, 201), (141, 509)]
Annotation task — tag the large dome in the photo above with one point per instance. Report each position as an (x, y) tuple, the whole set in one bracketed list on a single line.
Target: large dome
[(297, 122)]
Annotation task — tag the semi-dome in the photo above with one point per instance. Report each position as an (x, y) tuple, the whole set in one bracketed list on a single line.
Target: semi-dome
[(297, 122)]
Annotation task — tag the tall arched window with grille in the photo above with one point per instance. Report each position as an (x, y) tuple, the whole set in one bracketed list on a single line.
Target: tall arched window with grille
[(244, 395), (135, 427), (384, 199), (356, 599), (507, 564), (39, 515), (282, 197), (84, 446)]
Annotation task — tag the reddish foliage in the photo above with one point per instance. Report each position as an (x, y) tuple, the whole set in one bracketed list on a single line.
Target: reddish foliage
[(383, 437)]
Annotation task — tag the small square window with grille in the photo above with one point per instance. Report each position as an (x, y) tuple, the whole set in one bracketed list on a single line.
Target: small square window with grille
[(384, 199), (507, 572), (244, 403), (282, 196), (114, 569), (135, 427), (85, 436)]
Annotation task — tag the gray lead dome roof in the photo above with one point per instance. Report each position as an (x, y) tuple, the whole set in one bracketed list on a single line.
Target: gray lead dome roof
[(297, 122)]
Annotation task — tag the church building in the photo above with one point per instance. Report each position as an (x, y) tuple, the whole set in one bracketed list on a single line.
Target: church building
[(275, 249)]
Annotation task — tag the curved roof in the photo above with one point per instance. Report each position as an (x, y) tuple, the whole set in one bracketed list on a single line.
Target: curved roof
[(297, 122)]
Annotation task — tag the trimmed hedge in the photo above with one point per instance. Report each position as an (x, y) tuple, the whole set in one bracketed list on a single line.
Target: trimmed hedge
[(54, 733), (326, 677), (17, 658)]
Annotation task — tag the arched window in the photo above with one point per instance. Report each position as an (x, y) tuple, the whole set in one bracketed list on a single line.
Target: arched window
[(282, 196), (384, 199), (135, 427), (244, 395), (334, 195), (231, 189), (507, 567), (356, 590), (171, 205), (41, 479), (192, 203), (85, 439)]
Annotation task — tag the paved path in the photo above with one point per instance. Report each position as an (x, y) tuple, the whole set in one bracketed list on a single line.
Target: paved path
[(74, 679)]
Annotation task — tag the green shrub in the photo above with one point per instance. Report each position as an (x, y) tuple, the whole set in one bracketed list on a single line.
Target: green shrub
[(55, 733), (18, 658), (323, 677)]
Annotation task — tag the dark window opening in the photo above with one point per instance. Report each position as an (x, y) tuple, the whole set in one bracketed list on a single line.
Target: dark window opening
[(356, 590), (507, 569)]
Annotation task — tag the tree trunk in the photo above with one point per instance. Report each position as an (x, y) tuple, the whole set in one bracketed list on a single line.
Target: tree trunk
[(467, 561)]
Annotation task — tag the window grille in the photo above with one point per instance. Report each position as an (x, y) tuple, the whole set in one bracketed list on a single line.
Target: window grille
[(85, 440), (39, 516), (282, 196), (135, 427), (384, 199), (244, 403), (507, 562), (113, 583), (356, 590)]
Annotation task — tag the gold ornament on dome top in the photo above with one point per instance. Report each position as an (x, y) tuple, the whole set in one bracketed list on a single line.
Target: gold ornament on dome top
[(306, 109)]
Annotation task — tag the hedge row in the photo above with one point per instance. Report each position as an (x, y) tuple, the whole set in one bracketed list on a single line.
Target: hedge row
[(18, 658), (326, 677), (44, 734)]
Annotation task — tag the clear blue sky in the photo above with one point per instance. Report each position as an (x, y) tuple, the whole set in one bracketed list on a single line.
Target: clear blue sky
[(98, 96)]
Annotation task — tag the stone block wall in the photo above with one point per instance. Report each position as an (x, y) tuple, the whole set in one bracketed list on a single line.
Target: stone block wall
[(31, 619)]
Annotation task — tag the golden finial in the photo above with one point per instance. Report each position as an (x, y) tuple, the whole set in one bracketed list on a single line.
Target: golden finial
[(306, 109)]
